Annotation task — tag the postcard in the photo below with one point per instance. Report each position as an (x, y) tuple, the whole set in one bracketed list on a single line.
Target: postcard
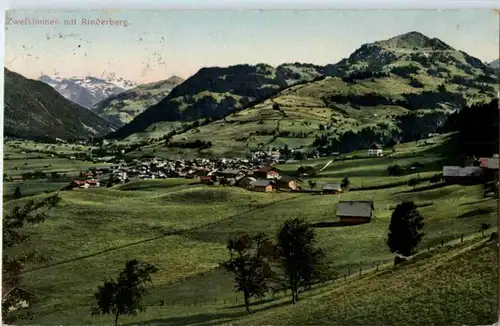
[(250, 167)]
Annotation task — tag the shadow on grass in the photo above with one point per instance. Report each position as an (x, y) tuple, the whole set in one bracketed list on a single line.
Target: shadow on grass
[(477, 212), (425, 188), (207, 319), (334, 224), (476, 202), (204, 319), (252, 303)]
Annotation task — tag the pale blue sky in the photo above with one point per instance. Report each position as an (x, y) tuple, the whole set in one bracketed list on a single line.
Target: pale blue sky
[(158, 44)]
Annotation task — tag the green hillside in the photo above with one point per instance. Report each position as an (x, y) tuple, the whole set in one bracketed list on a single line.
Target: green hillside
[(449, 287), (122, 108), (182, 227), (35, 110), (399, 89), (214, 92)]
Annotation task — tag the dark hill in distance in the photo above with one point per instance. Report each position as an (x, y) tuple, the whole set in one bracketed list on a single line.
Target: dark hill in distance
[(34, 110), (215, 92)]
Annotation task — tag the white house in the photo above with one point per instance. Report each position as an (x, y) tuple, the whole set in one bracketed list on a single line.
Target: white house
[(375, 150)]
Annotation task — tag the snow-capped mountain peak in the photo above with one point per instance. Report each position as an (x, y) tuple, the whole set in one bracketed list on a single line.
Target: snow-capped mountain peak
[(88, 90)]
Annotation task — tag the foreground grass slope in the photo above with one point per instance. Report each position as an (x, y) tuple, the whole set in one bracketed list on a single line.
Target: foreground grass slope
[(182, 227), (451, 288)]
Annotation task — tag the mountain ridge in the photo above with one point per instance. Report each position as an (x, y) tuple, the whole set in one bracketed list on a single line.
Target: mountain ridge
[(34, 110)]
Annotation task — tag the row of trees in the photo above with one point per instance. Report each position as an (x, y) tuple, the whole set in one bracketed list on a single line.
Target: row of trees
[(200, 144)]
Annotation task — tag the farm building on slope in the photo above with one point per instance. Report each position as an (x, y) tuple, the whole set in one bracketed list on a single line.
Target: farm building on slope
[(468, 175), (355, 212)]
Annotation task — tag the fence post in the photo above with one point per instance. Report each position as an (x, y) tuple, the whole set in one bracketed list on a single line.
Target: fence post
[(360, 268), (377, 266), (345, 277), (442, 243), (461, 238)]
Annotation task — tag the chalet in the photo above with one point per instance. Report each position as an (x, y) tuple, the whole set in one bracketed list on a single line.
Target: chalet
[(355, 212), (268, 172), (375, 150), (332, 188), (262, 185), (467, 175), (286, 182)]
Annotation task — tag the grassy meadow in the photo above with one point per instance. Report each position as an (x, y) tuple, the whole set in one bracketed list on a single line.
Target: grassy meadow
[(182, 227)]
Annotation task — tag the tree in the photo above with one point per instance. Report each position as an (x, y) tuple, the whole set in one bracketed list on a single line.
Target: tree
[(17, 193), (436, 178), (13, 235), (405, 229), (301, 262), (124, 296), (441, 88), (345, 183), (395, 170), (312, 184), (250, 261), (413, 182)]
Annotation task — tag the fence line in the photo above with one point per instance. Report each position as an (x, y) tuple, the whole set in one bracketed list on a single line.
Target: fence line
[(352, 272)]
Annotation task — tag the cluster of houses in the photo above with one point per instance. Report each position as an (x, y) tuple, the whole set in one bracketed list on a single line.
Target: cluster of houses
[(258, 174)]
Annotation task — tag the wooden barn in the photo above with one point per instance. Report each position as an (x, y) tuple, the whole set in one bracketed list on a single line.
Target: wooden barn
[(263, 186), (355, 212), (468, 175)]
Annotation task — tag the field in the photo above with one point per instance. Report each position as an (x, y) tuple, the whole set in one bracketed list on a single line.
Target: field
[(182, 227), (28, 157)]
